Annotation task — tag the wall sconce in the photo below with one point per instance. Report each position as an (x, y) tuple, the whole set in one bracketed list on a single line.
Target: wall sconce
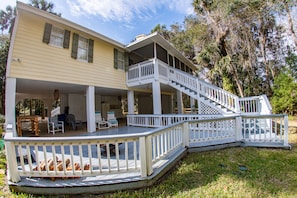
[(16, 60), (56, 94)]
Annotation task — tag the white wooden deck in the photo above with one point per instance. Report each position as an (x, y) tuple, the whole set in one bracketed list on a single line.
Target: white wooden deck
[(100, 183), (143, 154)]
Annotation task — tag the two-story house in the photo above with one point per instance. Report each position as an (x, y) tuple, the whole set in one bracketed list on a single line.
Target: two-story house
[(58, 62), (55, 65)]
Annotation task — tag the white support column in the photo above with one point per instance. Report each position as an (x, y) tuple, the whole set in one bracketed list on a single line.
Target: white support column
[(145, 155), (179, 100), (12, 165), (10, 94), (90, 100), (199, 106), (172, 104), (192, 103), (157, 97), (130, 97), (157, 103), (186, 134), (198, 96), (155, 50), (286, 131), (238, 128)]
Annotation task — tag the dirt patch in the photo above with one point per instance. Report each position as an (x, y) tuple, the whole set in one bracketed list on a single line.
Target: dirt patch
[(292, 126)]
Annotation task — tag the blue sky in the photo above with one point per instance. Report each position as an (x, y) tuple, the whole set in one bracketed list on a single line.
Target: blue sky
[(120, 20)]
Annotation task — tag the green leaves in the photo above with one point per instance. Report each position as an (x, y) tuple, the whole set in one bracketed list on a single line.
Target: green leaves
[(284, 98), (7, 18)]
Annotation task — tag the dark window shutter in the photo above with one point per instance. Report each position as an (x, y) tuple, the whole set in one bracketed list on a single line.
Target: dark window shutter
[(115, 58), (74, 45), (90, 50), (126, 59), (66, 39), (47, 33)]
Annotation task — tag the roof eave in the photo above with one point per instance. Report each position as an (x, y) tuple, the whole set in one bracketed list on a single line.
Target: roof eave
[(156, 37), (55, 18)]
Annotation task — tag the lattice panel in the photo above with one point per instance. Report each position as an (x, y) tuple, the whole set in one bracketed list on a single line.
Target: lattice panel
[(205, 109)]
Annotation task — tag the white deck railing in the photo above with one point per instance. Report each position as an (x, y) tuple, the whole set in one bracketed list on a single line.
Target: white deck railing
[(141, 73), (250, 104), (220, 130), (72, 157), (155, 121), (265, 130), (145, 72), (139, 154)]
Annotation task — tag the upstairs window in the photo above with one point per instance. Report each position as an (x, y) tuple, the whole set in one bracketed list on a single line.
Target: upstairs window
[(82, 48), (82, 51), (56, 36), (120, 60)]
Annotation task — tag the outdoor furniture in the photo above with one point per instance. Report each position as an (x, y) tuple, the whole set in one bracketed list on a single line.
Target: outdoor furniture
[(54, 125), (111, 119), (70, 119), (34, 124), (100, 122)]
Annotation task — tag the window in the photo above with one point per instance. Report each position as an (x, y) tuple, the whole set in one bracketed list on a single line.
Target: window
[(120, 60), (82, 48), (162, 54), (56, 36), (82, 51), (170, 60), (177, 63)]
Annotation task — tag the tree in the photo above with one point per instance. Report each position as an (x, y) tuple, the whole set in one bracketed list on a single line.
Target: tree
[(162, 30), (7, 18), (241, 42), (44, 5), (4, 48), (284, 98), (291, 61), (214, 15), (182, 40), (284, 7)]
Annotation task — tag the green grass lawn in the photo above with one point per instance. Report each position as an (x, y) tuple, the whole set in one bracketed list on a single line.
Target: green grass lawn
[(232, 172)]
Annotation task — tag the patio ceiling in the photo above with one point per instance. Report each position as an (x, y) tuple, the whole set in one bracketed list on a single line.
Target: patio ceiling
[(44, 88)]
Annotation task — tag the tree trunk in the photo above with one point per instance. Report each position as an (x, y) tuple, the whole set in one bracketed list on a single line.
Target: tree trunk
[(262, 43), (236, 78), (291, 27)]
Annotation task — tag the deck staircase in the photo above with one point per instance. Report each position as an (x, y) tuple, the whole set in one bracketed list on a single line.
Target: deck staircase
[(212, 99), (215, 98), (207, 101)]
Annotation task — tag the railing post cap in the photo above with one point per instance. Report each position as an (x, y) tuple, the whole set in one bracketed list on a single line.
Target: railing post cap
[(9, 128)]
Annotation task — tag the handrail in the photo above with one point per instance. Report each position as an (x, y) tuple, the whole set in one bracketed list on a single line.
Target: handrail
[(250, 104), (155, 121), (214, 93), (141, 70)]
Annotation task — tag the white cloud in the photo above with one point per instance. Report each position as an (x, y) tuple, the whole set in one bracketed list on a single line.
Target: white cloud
[(126, 10)]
